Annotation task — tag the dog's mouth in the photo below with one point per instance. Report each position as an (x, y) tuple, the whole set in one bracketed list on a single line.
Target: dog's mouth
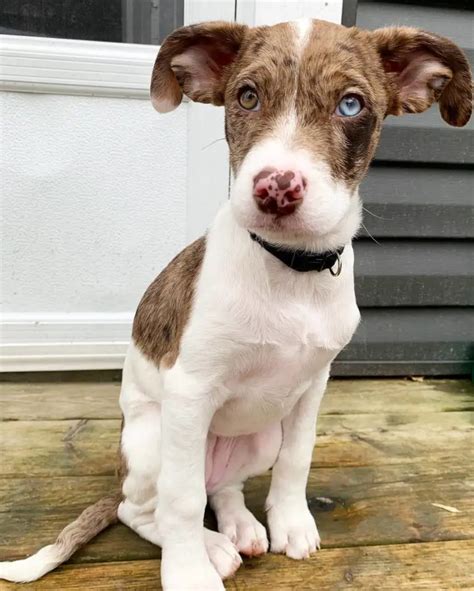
[(280, 224), (318, 230)]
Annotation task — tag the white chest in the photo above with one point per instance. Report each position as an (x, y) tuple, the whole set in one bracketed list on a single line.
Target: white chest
[(265, 384), (260, 333)]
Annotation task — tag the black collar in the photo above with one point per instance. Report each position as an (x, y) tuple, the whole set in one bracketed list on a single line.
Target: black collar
[(303, 261)]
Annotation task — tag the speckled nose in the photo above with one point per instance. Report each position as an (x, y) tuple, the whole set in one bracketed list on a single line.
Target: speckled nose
[(279, 192)]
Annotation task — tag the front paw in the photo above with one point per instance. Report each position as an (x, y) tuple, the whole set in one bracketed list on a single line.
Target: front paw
[(182, 573), (293, 530)]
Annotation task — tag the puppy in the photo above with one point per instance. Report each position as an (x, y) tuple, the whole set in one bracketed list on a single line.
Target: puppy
[(232, 343)]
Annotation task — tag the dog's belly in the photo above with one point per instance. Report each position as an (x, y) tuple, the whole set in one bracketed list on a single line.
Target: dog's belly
[(231, 460), (246, 433)]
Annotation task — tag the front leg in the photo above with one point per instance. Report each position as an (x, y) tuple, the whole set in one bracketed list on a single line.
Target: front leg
[(293, 530), (187, 410)]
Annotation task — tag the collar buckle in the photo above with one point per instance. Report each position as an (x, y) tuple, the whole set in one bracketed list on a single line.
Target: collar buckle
[(338, 270)]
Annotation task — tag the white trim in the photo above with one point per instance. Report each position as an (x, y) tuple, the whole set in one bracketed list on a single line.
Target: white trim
[(52, 342), (70, 357), (270, 12), (74, 67)]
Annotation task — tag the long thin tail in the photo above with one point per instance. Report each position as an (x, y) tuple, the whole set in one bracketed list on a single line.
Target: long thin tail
[(89, 523)]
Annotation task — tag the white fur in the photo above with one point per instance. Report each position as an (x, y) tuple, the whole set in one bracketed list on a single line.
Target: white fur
[(237, 523), (221, 550), (33, 567), (330, 213), (303, 28), (252, 355)]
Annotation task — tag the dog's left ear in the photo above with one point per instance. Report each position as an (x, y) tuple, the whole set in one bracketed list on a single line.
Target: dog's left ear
[(423, 68), (194, 60)]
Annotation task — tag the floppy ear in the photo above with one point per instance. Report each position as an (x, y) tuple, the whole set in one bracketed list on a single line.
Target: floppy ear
[(194, 60), (422, 68)]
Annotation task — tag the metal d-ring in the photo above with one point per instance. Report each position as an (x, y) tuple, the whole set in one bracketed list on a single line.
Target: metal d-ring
[(337, 272)]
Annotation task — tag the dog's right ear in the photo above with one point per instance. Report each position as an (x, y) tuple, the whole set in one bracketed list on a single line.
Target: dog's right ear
[(194, 60)]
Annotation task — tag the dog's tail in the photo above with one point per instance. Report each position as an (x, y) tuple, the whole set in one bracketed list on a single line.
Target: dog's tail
[(89, 523)]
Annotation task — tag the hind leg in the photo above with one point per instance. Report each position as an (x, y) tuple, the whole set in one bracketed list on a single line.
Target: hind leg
[(221, 551), (141, 438)]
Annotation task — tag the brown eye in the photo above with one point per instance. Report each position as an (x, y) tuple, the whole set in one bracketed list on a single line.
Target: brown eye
[(248, 99)]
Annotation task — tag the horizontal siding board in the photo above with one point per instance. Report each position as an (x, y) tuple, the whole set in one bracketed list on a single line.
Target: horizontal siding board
[(414, 273), (413, 333), (407, 367), (450, 22), (402, 338), (431, 119), (415, 288), (426, 145), (418, 202)]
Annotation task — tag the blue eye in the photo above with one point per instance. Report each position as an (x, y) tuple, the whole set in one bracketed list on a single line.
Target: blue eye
[(350, 106)]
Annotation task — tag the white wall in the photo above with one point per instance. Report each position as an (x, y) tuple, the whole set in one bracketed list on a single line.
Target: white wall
[(93, 206)]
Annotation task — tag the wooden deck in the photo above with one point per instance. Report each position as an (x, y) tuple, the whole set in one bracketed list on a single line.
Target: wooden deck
[(391, 486)]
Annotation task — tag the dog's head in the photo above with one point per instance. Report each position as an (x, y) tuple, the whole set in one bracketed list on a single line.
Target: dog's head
[(304, 105)]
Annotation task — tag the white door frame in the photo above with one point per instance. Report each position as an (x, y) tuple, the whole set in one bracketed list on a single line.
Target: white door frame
[(208, 156), (270, 12)]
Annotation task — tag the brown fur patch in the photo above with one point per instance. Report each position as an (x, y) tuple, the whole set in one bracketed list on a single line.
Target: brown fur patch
[(165, 308), (334, 59), (90, 522), (267, 60), (328, 72)]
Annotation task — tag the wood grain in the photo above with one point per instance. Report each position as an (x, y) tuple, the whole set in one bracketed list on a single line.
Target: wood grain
[(353, 506), (58, 401), (89, 400), (58, 448), (442, 566), (88, 447), (386, 451)]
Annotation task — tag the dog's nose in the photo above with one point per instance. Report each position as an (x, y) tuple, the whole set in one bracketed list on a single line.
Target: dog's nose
[(279, 191)]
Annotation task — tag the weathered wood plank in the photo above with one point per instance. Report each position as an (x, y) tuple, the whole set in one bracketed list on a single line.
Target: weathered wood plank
[(59, 400), (444, 566), (353, 509), (90, 400), (58, 448), (353, 506), (387, 450), (397, 396), (88, 447), (364, 440)]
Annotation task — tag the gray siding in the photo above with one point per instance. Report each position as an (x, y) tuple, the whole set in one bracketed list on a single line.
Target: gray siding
[(415, 285)]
